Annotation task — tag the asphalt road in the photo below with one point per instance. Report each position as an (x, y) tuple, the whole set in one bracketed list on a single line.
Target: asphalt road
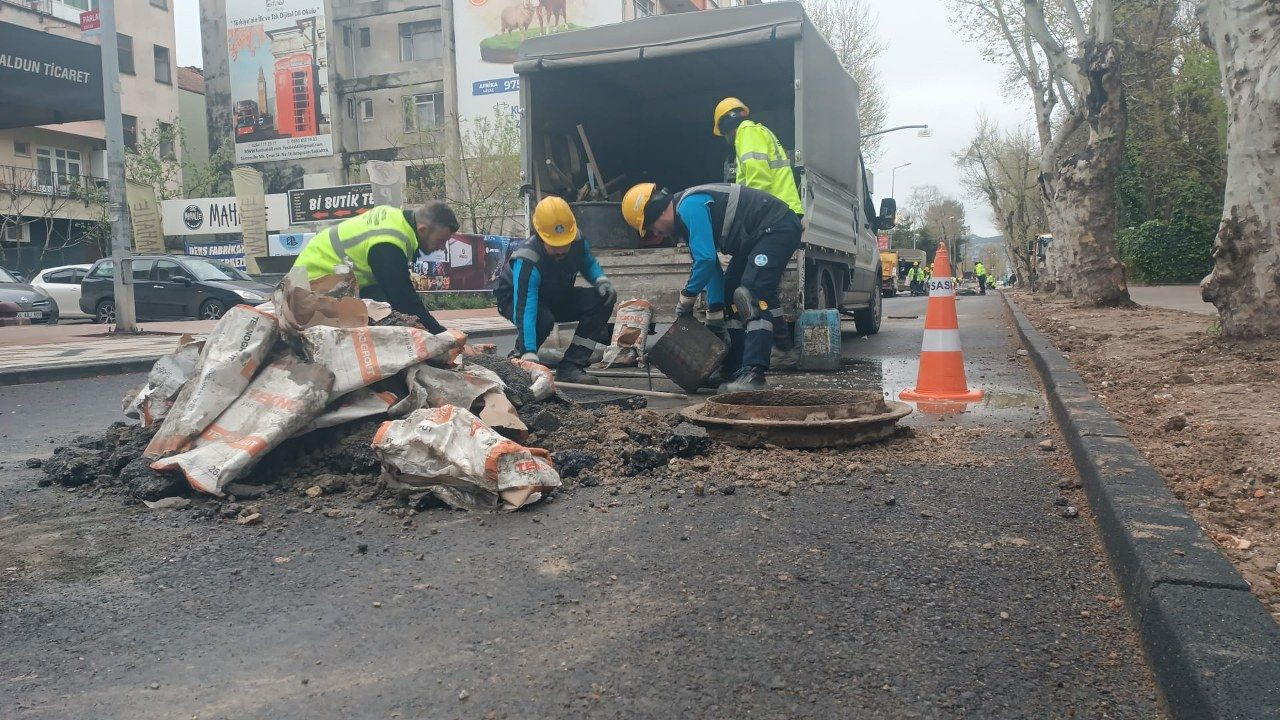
[(970, 596)]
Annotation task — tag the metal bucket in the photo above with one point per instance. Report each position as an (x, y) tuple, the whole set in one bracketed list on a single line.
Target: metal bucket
[(688, 353)]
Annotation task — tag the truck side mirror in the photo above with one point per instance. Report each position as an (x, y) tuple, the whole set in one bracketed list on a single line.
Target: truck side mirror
[(888, 214)]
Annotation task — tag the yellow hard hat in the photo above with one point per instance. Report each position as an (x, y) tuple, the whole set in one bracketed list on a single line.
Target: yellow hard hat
[(634, 202), (725, 107), (554, 222)]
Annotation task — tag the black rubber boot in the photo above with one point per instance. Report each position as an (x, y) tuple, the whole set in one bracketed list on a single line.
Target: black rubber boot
[(748, 378), (570, 373)]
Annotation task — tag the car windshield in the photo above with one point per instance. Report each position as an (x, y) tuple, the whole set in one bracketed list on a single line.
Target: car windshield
[(214, 270), (7, 277)]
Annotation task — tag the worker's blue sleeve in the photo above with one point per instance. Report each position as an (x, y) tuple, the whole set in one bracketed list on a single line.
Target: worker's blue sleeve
[(590, 267), (526, 283), (695, 213)]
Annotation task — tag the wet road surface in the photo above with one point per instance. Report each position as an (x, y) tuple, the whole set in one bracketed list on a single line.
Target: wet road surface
[(969, 596)]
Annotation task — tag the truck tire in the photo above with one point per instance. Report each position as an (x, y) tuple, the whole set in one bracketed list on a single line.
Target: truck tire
[(867, 320), (820, 291)]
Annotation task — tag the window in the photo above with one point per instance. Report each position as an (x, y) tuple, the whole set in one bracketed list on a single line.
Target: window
[(104, 269), (365, 38), (366, 110), (166, 137), (130, 131), (168, 271), (142, 269), (164, 74), (82, 4), (124, 53), (346, 36), (60, 277), (13, 234), (643, 8), (57, 169), (162, 4), (21, 148), (351, 108), (423, 112), (421, 40)]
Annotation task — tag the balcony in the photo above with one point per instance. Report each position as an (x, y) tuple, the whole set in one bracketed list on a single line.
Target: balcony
[(29, 192), (67, 12)]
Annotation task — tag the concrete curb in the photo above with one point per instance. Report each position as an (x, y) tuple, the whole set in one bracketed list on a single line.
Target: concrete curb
[(1214, 650), (125, 366)]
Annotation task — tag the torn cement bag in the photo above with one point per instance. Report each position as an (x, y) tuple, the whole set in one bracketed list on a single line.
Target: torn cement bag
[(301, 303), (355, 405), (430, 386), (543, 385), (630, 328), (364, 355), (232, 355), (461, 461), (152, 401), (286, 396)]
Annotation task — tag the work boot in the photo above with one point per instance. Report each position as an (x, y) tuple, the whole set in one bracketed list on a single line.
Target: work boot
[(570, 373), (748, 378), (714, 380)]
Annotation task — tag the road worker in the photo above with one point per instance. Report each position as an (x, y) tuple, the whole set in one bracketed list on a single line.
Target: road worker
[(981, 271), (915, 276), (535, 291), (761, 161), (759, 233), (377, 246)]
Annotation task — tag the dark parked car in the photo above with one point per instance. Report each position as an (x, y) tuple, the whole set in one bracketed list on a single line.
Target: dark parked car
[(172, 287), (33, 303)]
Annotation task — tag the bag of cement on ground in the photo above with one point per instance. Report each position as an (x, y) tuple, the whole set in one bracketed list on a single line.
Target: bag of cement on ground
[(152, 401), (355, 405), (301, 303), (630, 328), (232, 354), (544, 385), (364, 355), (430, 386), (461, 461), (286, 396)]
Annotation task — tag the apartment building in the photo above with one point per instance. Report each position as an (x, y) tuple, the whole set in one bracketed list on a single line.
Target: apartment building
[(42, 168)]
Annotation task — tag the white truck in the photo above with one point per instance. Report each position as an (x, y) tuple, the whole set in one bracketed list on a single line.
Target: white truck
[(642, 93)]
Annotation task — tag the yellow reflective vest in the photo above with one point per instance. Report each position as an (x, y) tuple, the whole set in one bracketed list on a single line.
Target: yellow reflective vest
[(763, 164), (979, 269), (349, 243)]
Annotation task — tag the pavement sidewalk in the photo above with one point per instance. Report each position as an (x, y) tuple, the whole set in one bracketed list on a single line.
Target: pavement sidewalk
[(40, 353), (1173, 297)]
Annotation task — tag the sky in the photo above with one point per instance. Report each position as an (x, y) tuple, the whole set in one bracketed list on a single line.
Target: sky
[(932, 76)]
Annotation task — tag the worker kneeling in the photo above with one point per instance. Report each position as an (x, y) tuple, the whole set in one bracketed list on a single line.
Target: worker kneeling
[(758, 231), (535, 291), (378, 246)]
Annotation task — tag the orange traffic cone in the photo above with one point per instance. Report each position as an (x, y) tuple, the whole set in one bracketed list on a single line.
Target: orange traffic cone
[(941, 360)]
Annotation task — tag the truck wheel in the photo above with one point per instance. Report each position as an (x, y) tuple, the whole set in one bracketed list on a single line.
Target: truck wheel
[(820, 289), (867, 320)]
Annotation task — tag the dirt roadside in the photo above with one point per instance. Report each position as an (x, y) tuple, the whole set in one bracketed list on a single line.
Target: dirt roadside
[(1202, 409)]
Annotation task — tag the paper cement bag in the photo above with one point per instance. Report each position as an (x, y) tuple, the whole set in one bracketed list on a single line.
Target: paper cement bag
[(355, 405), (286, 396), (232, 355), (463, 462), (364, 355), (152, 401), (302, 304), (544, 385), (430, 386), (630, 328)]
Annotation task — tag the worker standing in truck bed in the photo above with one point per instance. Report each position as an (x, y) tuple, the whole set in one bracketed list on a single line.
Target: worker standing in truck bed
[(759, 233), (761, 161)]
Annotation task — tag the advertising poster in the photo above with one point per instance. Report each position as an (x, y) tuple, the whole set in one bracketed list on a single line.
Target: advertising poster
[(467, 263), (209, 216), (229, 253), (330, 203), (144, 213), (489, 32), (279, 79)]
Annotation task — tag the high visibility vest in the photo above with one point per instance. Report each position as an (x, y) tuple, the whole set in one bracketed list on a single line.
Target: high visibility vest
[(979, 270), (763, 164), (349, 243)]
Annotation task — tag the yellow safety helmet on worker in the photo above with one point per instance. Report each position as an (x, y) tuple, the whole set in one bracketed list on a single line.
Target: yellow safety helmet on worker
[(554, 222), (723, 108)]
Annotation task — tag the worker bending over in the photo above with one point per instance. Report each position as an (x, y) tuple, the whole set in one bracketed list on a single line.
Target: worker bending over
[(759, 233), (535, 291), (915, 276), (377, 246)]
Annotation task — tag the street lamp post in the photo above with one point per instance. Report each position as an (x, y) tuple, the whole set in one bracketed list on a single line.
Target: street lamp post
[(117, 206), (893, 180), (924, 130)]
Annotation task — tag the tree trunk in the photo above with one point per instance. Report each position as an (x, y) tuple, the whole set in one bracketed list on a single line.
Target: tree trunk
[(1245, 282), (1081, 196)]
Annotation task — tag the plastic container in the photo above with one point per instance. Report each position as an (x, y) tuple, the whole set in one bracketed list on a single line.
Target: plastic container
[(688, 353), (817, 336)]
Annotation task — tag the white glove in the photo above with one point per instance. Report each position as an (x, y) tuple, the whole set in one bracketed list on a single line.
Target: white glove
[(531, 357), (605, 288)]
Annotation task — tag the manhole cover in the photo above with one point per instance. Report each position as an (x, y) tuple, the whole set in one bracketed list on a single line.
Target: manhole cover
[(798, 418)]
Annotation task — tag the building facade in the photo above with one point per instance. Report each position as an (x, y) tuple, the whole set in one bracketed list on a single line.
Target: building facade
[(46, 171)]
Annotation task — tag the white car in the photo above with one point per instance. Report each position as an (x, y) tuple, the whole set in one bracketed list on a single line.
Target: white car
[(63, 285)]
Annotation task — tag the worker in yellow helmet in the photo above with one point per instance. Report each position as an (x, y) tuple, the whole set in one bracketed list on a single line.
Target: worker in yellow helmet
[(377, 247), (535, 290), (761, 161)]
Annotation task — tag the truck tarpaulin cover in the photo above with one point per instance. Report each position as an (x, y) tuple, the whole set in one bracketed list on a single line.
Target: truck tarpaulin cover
[(46, 79)]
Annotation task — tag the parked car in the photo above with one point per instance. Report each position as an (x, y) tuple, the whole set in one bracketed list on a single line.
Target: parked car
[(62, 283), (171, 287), (33, 303)]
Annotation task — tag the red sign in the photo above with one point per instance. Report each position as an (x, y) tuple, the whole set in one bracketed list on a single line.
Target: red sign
[(90, 20), (883, 241)]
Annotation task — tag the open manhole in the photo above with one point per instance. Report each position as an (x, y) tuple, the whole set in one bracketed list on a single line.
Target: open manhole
[(798, 418)]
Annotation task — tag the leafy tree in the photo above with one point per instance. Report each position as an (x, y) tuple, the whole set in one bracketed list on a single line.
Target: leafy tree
[(941, 219)]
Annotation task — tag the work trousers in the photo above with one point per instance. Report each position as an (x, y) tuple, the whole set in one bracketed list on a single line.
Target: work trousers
[(760, 271), (581, 304), (982, 284)]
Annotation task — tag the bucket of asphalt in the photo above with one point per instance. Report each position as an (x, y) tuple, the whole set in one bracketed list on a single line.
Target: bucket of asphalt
[(688, 353)]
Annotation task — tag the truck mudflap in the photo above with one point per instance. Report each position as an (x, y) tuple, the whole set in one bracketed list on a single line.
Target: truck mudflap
[(658, 274)]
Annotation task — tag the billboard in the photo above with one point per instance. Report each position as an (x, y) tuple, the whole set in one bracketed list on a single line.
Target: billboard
[(467, 263), (231, 253), (209, 216), (329, 203), (489, 32), (279, 79), (46, 79)]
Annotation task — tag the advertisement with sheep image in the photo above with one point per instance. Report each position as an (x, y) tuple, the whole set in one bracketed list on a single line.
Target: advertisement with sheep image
[(489, 33)]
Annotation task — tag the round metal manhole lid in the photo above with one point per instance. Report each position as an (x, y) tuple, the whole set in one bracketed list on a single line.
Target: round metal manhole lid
[(798, 418), (807, 405)]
